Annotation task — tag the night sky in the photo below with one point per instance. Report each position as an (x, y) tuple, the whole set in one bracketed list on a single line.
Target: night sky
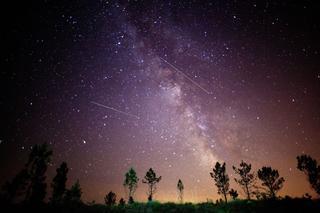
[(172, 85)]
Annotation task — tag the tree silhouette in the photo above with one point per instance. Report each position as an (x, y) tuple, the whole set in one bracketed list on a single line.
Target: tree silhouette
[(73, 195), (110, 198), (131, 183), (247, 179), (310, 167), (151, 179), (180, 188), (233, 193), (130, 201), (11, 191), (221, 179), (59, 183), (122, 202), (37, 166), (271, 180)]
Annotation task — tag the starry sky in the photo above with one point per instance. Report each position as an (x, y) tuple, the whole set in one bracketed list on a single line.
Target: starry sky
[(172, 85)]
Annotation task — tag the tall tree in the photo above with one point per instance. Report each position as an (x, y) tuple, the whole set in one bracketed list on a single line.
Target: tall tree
[(110, 198), (271, 180), (73, 195), (221, 179), (131, 183), (180, 188), (59, 183), (37, 166), (151, 179), (247, 179), (310, 167)]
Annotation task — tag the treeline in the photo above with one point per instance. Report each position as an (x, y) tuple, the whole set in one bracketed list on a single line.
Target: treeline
[(29, 186)]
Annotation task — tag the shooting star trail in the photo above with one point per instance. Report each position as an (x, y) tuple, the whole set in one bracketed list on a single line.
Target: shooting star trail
[(192, 81), (114, 109)]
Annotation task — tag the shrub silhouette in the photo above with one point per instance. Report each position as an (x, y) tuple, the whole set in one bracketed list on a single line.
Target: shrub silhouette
[(307, 196), (73, 195), (233, 193), (131, 183), (130, 201), (247, 179), (221, 179), (110, 198), (310, 167), (151, 179), (180, 188), (59, 184), (37, 166), (271, 180), (122, 202)]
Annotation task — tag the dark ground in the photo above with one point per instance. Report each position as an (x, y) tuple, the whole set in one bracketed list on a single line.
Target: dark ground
[(284, 205)]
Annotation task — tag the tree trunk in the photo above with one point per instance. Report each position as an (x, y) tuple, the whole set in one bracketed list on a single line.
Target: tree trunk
[(151, 193), (248, 193)]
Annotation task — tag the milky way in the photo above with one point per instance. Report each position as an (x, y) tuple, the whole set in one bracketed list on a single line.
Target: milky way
[(171, 85)]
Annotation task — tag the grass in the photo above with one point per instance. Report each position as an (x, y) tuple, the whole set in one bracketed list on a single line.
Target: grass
[(239, 206)]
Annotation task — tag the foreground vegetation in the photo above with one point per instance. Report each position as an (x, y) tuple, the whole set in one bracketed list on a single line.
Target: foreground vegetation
[(28, 189), (283, 205)]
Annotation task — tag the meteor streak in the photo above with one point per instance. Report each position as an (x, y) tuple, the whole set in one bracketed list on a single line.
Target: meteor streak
[(192, 81), (114, 109)]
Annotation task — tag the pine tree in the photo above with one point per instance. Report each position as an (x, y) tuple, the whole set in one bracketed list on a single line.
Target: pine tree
[(12, 191), (73, 195), (247, 179), (151, 179), (310, 167), (221, 179), (271, 180), (59, 184), (37, 166), (131, 183), (180, 188)]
